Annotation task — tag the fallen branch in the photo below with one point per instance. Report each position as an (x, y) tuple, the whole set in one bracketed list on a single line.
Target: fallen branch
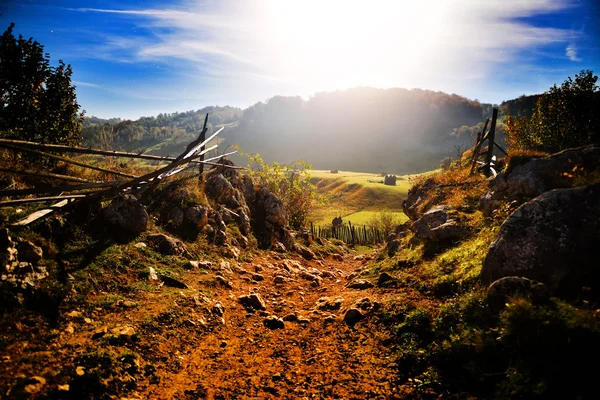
[(57, 189), (67, 160), (10, 203), (48, 175)]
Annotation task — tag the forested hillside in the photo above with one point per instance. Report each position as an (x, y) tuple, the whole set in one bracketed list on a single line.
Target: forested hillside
[(364, 129)]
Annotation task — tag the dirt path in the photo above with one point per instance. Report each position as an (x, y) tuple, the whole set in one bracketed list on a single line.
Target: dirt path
[(201, 342), (315, 355)]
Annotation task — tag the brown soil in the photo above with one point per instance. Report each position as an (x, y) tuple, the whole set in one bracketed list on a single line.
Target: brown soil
[(172, 344)]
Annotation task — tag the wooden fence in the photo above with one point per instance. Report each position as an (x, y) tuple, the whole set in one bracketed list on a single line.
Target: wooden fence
[(351, 234)]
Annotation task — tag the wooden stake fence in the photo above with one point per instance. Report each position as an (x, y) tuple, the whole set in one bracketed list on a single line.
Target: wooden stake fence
[(88, 190), (351, 234)]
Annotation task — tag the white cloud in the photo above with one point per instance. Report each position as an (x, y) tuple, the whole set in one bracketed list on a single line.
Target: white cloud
[(571, 52), (304, 46), (86, 84)]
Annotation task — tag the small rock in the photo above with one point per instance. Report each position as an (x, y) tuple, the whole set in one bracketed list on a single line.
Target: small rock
[(272, 322), (80, 371), (258, 277), (384, 279), (29, 252), (306, 252), (99, 333), (253, 301), (167, 245), (279, 280), (337, 257), (218, 309), (63, 388), (392, 247), (191, 265), (231, 252), (34, 384), (139, 245), (360, 284), (205, 264), (172, 282), (152, 273), (329, 303), (123, 331), (290, 318), (74, 314), (352, 316), (303, 320), (70, 329), (330, 319), (223, 282), (501, 290)]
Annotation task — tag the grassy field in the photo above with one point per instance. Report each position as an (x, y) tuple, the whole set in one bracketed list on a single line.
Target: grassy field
[(357, 197)]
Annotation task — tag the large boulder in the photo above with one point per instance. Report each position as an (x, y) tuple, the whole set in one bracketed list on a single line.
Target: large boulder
[(539, 175), (127, 214), (553, 239)]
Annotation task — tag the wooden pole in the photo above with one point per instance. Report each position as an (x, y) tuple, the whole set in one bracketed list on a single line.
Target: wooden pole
[(48, 175), (480, 138), (68, 160), (202, 138), (81, 150), (491, 138), (10, 203), (57, 189)]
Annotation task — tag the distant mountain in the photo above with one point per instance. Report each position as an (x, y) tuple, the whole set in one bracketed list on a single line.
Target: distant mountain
[(360, 129)]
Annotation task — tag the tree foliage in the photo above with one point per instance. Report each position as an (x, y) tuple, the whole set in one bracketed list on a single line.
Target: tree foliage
[(290, 183), (565, 116), (37, 101)]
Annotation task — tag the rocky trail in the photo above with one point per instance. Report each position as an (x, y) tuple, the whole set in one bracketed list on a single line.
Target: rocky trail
[(272, 327)]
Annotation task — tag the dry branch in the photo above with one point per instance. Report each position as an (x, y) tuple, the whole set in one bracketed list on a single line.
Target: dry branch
[(67, 160), (57, 189), (10, 203), (49, 175)]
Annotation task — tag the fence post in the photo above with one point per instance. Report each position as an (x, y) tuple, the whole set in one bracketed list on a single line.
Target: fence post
[(491, 138)]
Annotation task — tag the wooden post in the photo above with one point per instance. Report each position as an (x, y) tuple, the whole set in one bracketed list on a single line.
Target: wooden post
[(202, 139), (480, 137), (491, 138)]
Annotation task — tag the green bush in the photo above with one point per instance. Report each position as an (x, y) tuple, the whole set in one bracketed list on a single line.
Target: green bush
[(290, 183)]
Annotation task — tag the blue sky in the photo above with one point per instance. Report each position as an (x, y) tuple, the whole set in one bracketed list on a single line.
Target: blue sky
[(141, 58)]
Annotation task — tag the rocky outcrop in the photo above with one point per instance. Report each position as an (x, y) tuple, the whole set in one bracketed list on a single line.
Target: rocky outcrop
[(270, 220), (416, 198), (435, 225), (126, 214), (17, 274), (539, 175), (553, 239)]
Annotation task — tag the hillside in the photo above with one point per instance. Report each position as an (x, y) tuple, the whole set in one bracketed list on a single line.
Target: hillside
[(363, 129)]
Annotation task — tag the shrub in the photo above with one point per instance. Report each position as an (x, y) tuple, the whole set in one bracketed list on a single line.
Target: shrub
[(290, 183), (385, 221), (564, 117)]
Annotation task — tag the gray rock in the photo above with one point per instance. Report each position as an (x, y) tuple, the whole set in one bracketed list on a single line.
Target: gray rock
[(29, 252), (450, 230), (553, 239), (307, 253), (329, 303), (252, 301), (272, 322), (258, 277), (430, 220), (415, 198), (352, 316), (166, 245), (176, 217), (127, 214), (542, 174), (196, 217), (501, 290), (384, 279), (393, 246), (360, 284)]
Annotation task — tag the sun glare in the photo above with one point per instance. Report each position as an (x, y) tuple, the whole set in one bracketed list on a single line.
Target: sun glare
[(339, 44)]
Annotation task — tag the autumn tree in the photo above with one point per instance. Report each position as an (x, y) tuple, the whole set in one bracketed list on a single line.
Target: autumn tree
[(565, 116), (37, 100)]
